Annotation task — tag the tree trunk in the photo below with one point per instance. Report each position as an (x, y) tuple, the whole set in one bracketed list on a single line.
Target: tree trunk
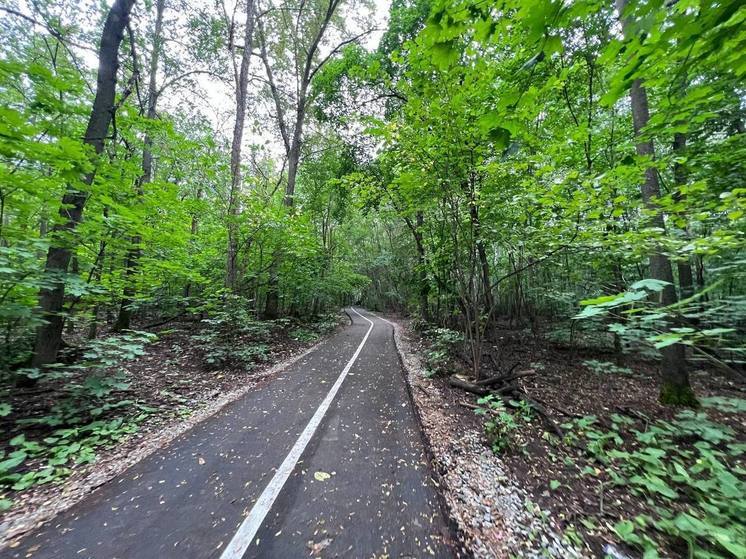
[(192, 234), (242, 80), (481, 252), (675, 387), (684, 266), (272, 308), (49, 334), (424, 287), (292, 144), (133, 254), (272, 304), (293, 162)]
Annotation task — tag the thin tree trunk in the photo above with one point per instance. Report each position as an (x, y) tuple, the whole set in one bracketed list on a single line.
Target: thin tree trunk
[(481, 251), (675, 387), (272, 308), (192, 235), (684, 266), (51, 299), (272, 304), (293, 142), (133, 254), (242, 80), (69, 322), (294, 159), (424, 287)]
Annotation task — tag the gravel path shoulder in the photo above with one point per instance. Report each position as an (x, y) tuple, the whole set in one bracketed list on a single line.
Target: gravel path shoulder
[(493, 515)]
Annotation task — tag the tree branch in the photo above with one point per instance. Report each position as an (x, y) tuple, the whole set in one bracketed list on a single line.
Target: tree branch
[(180, 77), (336, 49)]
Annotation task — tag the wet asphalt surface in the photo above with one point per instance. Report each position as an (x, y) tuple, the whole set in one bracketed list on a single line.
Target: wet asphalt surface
[(188, 499)]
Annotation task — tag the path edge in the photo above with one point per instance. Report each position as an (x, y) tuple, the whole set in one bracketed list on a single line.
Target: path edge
[(16, 529), (515, 522), (408, 369)]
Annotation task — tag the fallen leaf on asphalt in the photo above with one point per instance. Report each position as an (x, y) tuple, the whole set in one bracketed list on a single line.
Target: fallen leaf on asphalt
[(321, 476), (317, 547)]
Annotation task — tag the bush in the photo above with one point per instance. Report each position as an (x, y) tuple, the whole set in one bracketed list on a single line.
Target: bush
[(81, 420), (443, 347), (501, 427), (232, 337)]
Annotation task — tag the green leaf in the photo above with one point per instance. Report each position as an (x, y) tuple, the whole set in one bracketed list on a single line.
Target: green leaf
[(727, 540), (665, 340), (624, 529), (11, 463), (650, 284), (444, 54)]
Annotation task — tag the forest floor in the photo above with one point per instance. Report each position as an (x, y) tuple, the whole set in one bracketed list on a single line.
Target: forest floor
[(518, 493), (175, 384), (540, 496)]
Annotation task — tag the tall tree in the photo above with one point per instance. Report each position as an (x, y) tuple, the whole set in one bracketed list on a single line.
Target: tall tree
[(133, 254), (52, 296), (241, 76), (298, 42), (675, 388)]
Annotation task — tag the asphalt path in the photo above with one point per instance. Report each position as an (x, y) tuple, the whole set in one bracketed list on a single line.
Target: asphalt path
[(325, 460)]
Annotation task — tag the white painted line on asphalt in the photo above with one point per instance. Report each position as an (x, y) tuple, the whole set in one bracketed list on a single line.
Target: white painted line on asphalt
[(250, 526), (381, 318)]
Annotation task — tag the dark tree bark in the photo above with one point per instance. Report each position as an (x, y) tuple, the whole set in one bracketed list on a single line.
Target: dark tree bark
[(51, 299), (675, 387)]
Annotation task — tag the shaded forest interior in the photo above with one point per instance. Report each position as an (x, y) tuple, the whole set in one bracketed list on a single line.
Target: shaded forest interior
[(551, 194)]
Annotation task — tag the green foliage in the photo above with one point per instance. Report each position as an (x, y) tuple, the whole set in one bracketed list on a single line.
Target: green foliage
[(86, 416), (444, 345), (648, 323), (232, 337), (501, 426), (313, 330), (479, 168), (726, 404), (689, 470), (604, 367), (303, 335)]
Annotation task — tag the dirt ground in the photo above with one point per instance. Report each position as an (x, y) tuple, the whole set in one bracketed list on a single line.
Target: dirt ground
[(580, 510)]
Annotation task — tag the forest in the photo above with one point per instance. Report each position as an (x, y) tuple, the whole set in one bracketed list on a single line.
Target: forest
[(550, 195)]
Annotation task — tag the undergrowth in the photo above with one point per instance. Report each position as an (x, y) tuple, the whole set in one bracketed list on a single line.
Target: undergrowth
[(91, 411), (688, 471), (233, 337)]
